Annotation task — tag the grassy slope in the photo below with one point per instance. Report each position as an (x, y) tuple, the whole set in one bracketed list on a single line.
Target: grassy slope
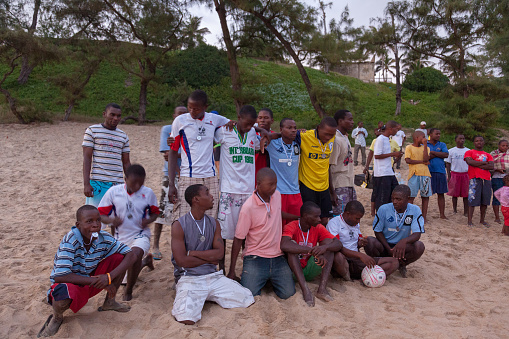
[(273, 85)]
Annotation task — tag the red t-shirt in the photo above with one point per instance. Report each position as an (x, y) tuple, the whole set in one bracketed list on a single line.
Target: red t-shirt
[(317, 234), (476, 172)]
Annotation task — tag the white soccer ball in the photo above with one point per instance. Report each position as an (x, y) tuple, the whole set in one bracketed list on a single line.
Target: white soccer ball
[(373, 277)]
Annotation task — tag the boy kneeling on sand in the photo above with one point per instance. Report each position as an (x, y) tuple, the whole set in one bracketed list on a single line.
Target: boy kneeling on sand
[(79, 273)]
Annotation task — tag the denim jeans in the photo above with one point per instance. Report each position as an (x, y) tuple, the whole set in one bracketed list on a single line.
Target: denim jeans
[(258, 271)]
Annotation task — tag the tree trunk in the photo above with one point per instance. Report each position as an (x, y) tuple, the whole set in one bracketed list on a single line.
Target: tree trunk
[(230, 52), (142, 111), (26, 68), (69, 110), (398, 81), (312, 96), (12, 105)]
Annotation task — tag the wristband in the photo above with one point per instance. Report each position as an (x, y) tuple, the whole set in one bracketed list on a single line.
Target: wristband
[(109, 278), (187, 253)]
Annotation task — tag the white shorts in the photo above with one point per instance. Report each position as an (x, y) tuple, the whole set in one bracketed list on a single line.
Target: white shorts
[(165, 206), (193, 291), (140, 241), (230, 205)]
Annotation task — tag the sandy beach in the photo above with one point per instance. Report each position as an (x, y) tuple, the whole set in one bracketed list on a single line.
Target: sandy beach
[(455, 290)]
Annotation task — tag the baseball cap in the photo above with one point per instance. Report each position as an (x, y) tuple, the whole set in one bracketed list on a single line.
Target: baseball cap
[(423, 122)]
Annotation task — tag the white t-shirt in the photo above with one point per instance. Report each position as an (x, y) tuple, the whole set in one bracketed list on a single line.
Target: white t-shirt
[(108, 147), (132, 209), (348, 235), (399, 137), (196, 137), (237, 165), (360, 139), (423, 130), (456, 159), (382, 167)]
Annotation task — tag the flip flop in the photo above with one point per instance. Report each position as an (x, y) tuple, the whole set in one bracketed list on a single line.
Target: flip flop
[(42, 333), (485, 224), (157, 255)]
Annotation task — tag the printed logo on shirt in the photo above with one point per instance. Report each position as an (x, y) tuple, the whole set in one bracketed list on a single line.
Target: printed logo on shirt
[(390, 219), (296, 149), (318, 156), (408, 220), (201, 131), (330, 146), (239, 153)]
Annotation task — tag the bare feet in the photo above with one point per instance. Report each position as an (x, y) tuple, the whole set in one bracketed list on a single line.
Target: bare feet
[(50, 327), (443, 217), (324, 295), (498, 221), (402, 271), (308, 297), (148, 261), (112, 305), (470, 224), (127, 296)]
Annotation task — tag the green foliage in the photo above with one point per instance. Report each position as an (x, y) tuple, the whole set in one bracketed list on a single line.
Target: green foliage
[(199, 67), (427, 79)]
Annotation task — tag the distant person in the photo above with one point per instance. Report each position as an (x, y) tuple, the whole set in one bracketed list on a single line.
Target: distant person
[(197, 247), (480, 164), (194, 132), (284, 155), (260, 225), (384, 179), (341, 162), (457, 174), (359, 134), (501, 164), (400, 138), (419, 178), (398, 227), (438, 152), (502, 195), (87, 261), (105, 155), (347, 229), (129, 209), (423, 129), (311, 250), (165, 206), (264, 121), (236, 170)]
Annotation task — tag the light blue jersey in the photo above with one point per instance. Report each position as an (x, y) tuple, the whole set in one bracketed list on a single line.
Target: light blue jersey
[(396, 226), (284, 160)]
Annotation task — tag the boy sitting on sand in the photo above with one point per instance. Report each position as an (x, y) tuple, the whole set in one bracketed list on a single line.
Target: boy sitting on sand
[(306, 258), (347, 229), (419, 176), (79, 274), (197, 247), (130, 209)]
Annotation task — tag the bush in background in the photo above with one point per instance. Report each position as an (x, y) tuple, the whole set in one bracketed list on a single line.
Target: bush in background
[(427, 79)]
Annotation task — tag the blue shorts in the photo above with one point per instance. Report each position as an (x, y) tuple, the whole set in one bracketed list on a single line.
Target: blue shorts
[(100, 188), (420, 183), (439, 183), (479, 192), (496, 183), (257, 271)]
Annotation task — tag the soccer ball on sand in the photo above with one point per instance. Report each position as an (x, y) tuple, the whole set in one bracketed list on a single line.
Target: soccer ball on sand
[(373, 277)]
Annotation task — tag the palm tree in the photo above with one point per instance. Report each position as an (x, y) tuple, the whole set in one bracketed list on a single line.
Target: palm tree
[(194, 35)]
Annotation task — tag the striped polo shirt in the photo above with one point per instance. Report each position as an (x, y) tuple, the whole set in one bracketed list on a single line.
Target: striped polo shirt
[(108, 147), (72, 257)]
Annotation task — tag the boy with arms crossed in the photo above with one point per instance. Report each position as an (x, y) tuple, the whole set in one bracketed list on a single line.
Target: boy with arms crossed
[(438, 152), (130, 209), (311, 251), (457, 174), (419, 177), (79, 274), (197, 247), (347, 229)]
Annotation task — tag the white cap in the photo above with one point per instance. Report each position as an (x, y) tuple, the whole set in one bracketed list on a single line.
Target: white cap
[(423, 122)]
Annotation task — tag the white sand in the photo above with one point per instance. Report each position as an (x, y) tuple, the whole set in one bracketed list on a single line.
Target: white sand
[(456, 290)]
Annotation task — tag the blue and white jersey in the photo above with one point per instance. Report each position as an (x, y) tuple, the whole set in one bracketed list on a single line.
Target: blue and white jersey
[(396, 226), (284, 160)]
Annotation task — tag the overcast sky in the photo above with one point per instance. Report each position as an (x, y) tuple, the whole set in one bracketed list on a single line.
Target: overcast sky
[(360, 10)]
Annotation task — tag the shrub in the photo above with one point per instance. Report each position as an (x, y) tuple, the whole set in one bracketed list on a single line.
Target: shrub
[(427, 79)]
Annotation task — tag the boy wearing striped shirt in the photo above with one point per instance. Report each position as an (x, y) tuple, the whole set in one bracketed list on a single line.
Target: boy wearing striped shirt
[(88, 260), (105, 155)]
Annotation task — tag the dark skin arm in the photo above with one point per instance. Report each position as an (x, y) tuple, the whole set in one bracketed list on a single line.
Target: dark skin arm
[(388, 155), (425, 158), (398, 251), (217, 251), (236, 246), (448, 169), (100, 281), (172, 170), (290, 246), (435, 154), (486, 165), (368, 162), (87, 167), (289, 216), (178, 248), (333, 195), (126, 162), (366, 259)]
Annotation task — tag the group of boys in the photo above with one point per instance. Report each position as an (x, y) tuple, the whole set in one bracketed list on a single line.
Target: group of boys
[(279, 214)]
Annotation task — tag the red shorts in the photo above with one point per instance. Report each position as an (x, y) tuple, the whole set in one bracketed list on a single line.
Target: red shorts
[(505, 213), (78, 293), (291, 203), (458, 185)]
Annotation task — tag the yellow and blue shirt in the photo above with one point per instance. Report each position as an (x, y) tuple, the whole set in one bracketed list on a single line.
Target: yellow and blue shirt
[(314, 161)]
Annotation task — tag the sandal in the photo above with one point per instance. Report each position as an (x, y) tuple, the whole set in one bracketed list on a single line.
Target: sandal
[(157, 255)]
